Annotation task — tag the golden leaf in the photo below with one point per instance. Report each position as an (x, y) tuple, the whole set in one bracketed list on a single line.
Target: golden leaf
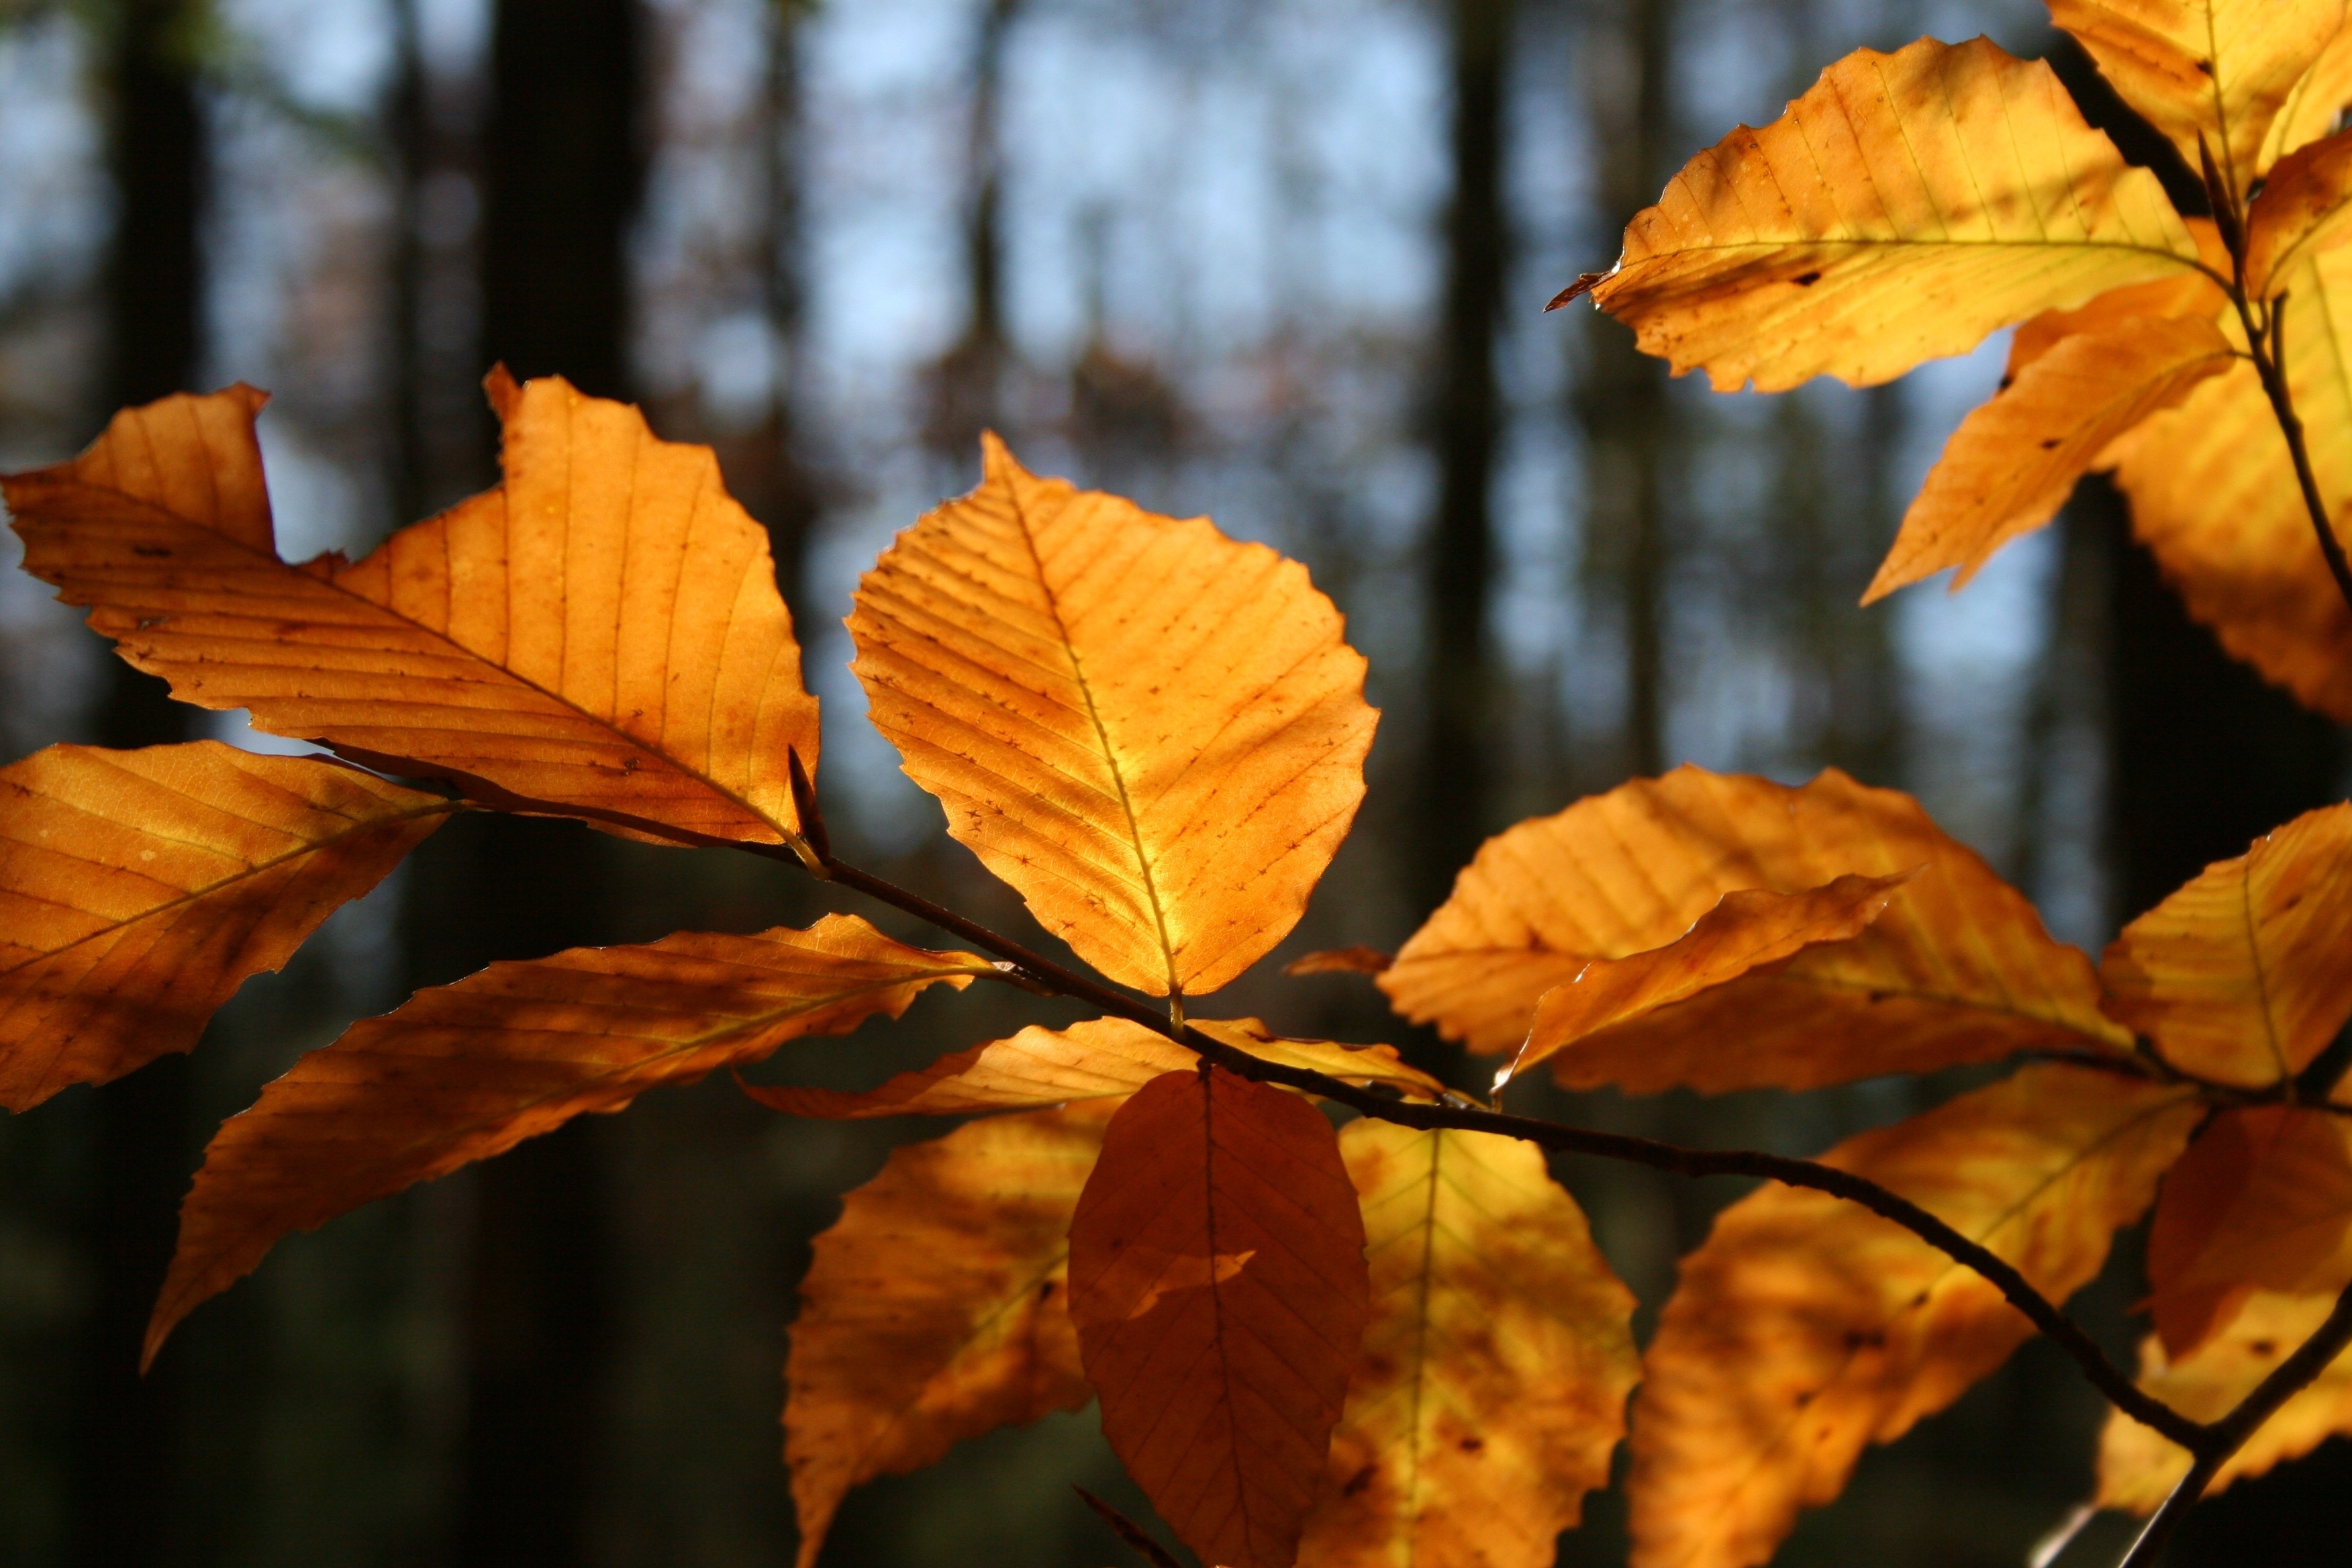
[(1957, 969), (2183, 295), (1904, 208), (2221, 69), (138, 889), (1356, 960), (1808, 1327), (2244, 974), (2014, 461), (2262, 1200), (2314, 104), (1153, 732), (2139, 1466), (1217, 1282), (599, 637), (459, 1073), (935, 1309), (1492, 1386), (2305, 207)]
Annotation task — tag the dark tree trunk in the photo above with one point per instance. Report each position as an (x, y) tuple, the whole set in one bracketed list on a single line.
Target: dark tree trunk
[(966, 393)]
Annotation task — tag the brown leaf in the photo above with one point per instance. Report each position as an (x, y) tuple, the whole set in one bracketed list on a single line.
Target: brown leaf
[(1492, 1386), (1153, 732), (2304, 208), (1905, 207), (1745, 931), (138, 889), (2139, 1468), (1340, 961), (1807, 1327), (461, 1072), (2262, 1200), (2244, 974), (935, 1309), (1957, 969), (2014, 461), (1217, 1282), (601, 636)]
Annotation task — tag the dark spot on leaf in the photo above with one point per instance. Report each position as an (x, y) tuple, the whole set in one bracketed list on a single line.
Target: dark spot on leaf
[(1045, 1290), (2006, 382), (152, 551), (1806, 280), (2264, 1348), (1360, 1480), (2051, 444), (1471, 1445), (2205, 68)]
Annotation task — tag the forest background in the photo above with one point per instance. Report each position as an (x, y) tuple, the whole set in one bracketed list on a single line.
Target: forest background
[(1277, 260)]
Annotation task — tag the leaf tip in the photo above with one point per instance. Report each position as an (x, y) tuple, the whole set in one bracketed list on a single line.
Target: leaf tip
[(504, 392), (1585, 283)]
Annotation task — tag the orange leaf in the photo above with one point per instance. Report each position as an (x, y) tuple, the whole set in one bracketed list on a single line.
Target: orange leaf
[(1217, 1282), (1807, 1327), (1905, 207), (2262, 1200), (2014, 461), (1492, 1385), (2221, 69), (2139, 1468), (2313, 105), (1153, 732), (2244, 974), (1745, 930), (2302, 210), (1957, 969), (935, 1309), (601, 636), (138, 889), (2182, 296), (461, 1072), (1340, 961)]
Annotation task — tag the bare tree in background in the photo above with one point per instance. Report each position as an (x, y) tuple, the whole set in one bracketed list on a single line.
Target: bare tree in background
[(966, 385)]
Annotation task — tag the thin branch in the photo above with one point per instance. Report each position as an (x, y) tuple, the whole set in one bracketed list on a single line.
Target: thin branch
[(2269, 357)]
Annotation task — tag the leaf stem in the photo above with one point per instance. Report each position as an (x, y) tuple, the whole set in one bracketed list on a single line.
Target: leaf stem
[(2267, 350)]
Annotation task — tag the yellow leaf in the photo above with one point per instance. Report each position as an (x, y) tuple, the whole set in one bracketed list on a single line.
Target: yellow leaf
[(2183, 295), (461, 1072), (2244, 974), (1743, 932), (2139, 1468), (139, 888), (2014, 461), (599, 637), (1957, 969), (1153, 732), (936, 1309), (1217, 1282), (1492, 1386), (2314, 104), (1103, 1057), (2262, 1200), (1904, 208), (2304, 208), (2216, 68), (1807, 1327)]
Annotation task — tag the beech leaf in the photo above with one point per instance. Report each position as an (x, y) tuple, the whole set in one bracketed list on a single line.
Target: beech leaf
[(2314, 104), (138, 889), (2305, 207), (1218, 1284)]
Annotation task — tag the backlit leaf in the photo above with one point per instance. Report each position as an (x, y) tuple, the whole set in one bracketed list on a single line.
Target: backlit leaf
[(139, 888), (1957, 969), (461, 1072), (599, 637), (1807, 1327), (2315, 102), (935, 1309), (1905, 207), (1152, 731), (2244, 974), (2305, 207), (1217, 1282), (1492, 1386), (2262, 1200), (2139, 1468), (2014, 460), (2179, 296)]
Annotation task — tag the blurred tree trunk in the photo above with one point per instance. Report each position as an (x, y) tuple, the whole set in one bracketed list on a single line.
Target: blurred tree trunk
[(784, 494), (966, 392), (1457, 798), (141, 1146), (562, 172)]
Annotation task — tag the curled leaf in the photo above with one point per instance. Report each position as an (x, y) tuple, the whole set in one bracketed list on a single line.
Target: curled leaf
[(2304, 208)]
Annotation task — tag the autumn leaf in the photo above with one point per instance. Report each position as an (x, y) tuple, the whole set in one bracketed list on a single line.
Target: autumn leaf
[(1492, 1386), (138, 889), (1745, 930), (599, 637), (1152, 731), (2243, 974), (1903, 208), (1808, 1327), (1957, 969), (2218, 69), (459, 1073), (2313, 105), (2302, 210), (2014, 460), (1103, 1057), (2139, 1468), (2262, 1200), (2180, 296), (1356, 960), (934, 1309), (1217, 1281)]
